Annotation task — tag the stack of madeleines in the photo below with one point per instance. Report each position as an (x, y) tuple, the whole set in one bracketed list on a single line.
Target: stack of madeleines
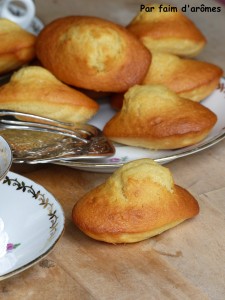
[(156, 87), (147, 68)]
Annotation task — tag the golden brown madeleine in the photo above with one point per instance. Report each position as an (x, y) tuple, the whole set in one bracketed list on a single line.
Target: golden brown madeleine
[(35, 90), (170, 32), (92, 53), (138, 201), (154, 117), (189, 78), (17, 46)]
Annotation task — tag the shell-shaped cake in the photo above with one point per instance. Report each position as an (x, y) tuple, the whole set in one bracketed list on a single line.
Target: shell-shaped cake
[(35, 90), (138, 201), (154, 117), (17, 46), (166, 30), (92, 53)]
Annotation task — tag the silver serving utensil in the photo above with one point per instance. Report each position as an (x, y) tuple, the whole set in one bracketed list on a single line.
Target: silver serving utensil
[(35, 139)]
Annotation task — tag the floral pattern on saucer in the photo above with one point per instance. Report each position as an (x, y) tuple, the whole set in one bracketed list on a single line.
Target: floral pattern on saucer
[(40, 197), (11, 246), (33, 219)]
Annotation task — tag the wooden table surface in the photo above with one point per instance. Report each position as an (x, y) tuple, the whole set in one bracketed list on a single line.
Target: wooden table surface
[(186, 262)]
